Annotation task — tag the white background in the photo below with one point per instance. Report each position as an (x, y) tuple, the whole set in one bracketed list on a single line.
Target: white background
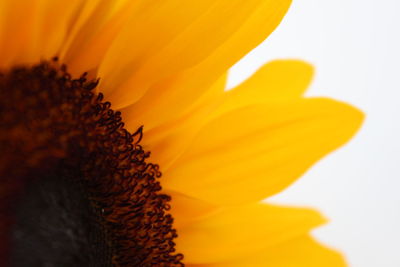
[(355, 47)]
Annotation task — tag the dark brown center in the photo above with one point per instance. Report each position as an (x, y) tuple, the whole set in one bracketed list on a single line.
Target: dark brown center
[(75, 186)]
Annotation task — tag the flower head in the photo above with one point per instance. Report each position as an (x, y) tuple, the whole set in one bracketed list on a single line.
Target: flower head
[(120, 146)]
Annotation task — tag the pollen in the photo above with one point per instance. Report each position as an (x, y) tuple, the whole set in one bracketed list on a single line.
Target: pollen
[(74, 180)]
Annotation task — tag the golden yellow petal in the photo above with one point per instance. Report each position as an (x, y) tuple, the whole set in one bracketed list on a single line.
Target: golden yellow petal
[(276, 81), (94, 31), (254, 152), (187, 209), (167, 142), (170, 36), (279, 80), (300, 252), (134, 120), (238, 232), (32, 30)]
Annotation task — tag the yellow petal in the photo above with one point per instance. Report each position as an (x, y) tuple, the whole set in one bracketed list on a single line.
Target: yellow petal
[(32, 30), (167, 142), (285, 79), (242, 231), (94, 31), (172, 36), (186, 209), (276, 81), (279, 80), (299, 252), (132, 117), (254, 152)]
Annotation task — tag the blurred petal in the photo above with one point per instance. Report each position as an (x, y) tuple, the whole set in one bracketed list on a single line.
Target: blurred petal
[(242, 231), (171, 36), (254, 152), (186, 209), (42, 26), (279, 80), (299, 252), (167, 142), (94, 31)]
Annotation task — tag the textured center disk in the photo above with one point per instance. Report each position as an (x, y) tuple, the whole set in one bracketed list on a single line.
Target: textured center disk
[(56, 225), (75, 187)]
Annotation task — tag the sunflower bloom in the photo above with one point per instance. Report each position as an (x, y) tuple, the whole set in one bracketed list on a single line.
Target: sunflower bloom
[(120, 146)]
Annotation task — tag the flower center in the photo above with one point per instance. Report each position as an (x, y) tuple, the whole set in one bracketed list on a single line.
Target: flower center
[(56, 223), (76, 189)]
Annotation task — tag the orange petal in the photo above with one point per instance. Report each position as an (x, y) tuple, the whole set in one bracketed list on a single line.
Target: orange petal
[(94, 31), (32, 30)]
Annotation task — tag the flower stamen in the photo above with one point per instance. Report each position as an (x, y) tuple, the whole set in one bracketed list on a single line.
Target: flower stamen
[(57, 127)]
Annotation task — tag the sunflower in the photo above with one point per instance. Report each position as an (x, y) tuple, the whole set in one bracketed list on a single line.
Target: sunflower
[(121, 147)]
